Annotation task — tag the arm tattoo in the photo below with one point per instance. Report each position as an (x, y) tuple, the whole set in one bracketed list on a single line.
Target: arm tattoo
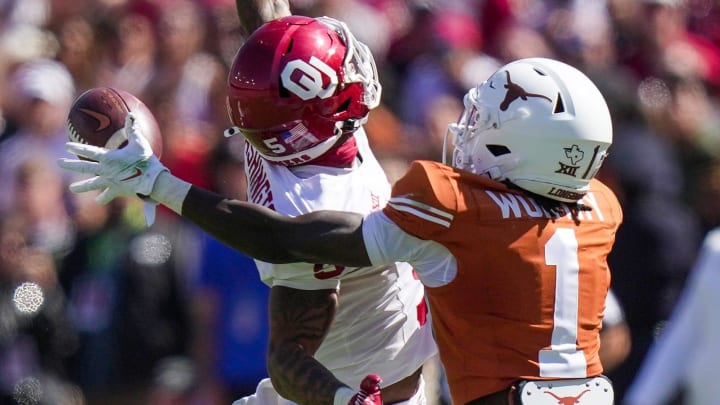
[(299, 321)]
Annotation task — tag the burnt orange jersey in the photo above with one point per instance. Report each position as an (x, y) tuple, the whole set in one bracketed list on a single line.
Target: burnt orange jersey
[(528, 298)]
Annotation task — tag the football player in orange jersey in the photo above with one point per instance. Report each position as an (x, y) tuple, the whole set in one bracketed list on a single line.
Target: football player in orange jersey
[(511, 238)]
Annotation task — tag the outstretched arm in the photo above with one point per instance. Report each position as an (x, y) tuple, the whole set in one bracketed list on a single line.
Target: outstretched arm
[(330, 237)]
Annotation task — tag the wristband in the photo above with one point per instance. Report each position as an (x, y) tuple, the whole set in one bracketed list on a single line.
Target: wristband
[(343, 396), (170, 191)]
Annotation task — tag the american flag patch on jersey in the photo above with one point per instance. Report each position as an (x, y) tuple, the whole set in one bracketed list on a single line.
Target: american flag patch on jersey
[(299, 137)]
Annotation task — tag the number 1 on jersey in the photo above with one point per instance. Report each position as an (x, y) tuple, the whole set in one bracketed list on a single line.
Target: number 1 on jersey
[(563, 359)]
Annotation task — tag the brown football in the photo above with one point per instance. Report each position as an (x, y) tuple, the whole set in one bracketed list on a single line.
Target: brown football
[(97, 117)]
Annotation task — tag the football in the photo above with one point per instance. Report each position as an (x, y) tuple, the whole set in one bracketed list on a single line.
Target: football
[(97, 117)]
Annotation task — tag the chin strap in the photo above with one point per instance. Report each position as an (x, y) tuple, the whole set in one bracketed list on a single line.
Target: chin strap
[(349, 125), (494, 173), (230, 132)]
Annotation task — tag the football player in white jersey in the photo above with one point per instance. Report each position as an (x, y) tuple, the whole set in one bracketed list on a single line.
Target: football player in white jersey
[(317, 94), (299, 91)]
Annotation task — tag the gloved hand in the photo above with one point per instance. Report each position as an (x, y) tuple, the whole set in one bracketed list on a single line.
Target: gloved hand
[(369, 393), (129, 171)]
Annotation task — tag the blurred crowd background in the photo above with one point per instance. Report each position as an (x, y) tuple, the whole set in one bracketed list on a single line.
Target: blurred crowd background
[(96, 308)]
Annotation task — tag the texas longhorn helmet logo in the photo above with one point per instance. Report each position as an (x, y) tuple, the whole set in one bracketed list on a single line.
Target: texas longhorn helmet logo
[(515, 91)]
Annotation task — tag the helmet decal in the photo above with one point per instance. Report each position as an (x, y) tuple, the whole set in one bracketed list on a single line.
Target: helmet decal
[(588, 172), (574, 154), (310, 83), (299, 137), (514, 92)]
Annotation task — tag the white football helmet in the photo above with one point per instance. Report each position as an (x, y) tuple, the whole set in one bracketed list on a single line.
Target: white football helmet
[(538, 123)]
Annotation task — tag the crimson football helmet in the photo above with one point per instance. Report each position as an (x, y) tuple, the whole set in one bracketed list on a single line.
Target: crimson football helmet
[(297, 84), (539, 123)]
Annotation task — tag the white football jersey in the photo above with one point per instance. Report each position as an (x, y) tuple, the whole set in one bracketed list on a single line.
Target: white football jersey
[(380, 326)]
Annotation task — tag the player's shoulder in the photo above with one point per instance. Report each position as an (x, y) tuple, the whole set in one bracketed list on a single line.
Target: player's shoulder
[(428, 183), (438, 183), (423, 200), (432, 194), (605, 198), (424, 172)]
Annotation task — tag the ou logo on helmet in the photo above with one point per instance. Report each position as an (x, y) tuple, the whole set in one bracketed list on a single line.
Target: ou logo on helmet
[(310, 83)]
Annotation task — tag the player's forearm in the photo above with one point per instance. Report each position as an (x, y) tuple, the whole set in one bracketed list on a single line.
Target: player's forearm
[(253, 13), (299, 322), (300, 378), (327, 237), (248, 228)]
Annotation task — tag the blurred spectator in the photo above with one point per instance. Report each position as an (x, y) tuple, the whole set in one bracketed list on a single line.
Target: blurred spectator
[(154, 322), (704, 19), (229, 35), (229, 302), (681, 51), (78, 50), (31, 12), (684, 113), (187, 90), (41, 94), (657, 242), (19, 43), (132, 36), (435, 79), (188, 84), (126, 300), (411, 43), (493, 17), (35, 335), (518, 41), (39, 202), (230, 313), (90, 275)]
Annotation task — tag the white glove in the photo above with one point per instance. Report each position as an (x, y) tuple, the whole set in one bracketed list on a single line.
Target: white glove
[(129, 171)]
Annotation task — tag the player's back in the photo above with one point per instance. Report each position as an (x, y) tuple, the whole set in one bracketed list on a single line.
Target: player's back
[(528, 297), (379, 326)]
